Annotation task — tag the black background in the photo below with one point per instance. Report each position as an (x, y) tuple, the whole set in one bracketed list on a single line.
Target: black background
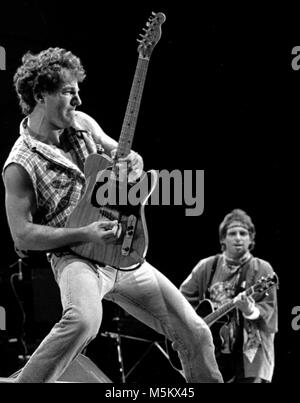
[(220, 95)]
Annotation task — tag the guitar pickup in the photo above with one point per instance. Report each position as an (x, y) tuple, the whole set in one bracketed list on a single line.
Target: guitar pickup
[(128, 237)]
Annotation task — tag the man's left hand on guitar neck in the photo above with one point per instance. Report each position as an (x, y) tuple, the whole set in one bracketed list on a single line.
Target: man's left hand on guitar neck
[(133, 163), (247, 306)]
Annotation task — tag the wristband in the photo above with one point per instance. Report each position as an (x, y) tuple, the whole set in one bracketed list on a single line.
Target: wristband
[(253, 315)]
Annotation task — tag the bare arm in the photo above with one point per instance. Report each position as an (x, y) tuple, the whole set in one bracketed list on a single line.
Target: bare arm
[(20, 208), (99, 135), (135, 160)]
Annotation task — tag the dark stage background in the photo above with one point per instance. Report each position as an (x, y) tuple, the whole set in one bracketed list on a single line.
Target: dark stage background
[(220, 95)]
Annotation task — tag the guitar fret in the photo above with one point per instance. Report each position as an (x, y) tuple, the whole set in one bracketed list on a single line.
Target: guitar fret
[(220, 312), (132, 109)]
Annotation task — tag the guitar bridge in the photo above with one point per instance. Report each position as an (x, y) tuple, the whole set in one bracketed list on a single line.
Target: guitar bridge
[(128, 237)]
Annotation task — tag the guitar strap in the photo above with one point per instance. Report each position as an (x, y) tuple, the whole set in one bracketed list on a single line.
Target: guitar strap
[(241, 283), (241, 276), (212, 272)]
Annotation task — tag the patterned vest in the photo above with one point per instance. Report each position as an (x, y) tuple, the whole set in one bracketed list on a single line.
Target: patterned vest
[(58, 183)]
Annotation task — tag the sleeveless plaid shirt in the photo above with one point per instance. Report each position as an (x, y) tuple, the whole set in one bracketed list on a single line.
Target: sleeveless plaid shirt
[(58, 183)]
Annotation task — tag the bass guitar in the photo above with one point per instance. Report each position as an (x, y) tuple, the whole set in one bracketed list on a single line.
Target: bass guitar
[(109, 195)]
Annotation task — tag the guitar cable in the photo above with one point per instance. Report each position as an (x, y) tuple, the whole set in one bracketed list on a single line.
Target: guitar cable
[(21, 338)]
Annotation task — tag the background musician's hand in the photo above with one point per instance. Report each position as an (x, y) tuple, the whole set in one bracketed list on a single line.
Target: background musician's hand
[(245, 304)]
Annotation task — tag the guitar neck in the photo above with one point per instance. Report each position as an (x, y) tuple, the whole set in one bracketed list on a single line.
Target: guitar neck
[(223, 310), (133, 106)]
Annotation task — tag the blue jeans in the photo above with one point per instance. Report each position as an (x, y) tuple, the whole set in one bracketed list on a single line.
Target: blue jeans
[(145, 293)]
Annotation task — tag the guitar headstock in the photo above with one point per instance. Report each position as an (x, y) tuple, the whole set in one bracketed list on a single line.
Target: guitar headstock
[(151, 36), (265, 283)]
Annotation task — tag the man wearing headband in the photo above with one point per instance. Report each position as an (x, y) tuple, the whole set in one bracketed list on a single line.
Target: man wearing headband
[(244, 338)]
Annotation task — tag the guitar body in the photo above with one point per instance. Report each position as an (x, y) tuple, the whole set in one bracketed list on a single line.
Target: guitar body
[(205, 309), (218, 327), (101, 201)]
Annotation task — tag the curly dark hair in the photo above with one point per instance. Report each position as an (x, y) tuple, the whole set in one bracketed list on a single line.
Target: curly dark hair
[(242, 217), (43, 72)]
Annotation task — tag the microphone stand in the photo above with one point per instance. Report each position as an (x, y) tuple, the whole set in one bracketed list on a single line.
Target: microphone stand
[(19, 262), (120, 357), (23, 357), (117, 338)]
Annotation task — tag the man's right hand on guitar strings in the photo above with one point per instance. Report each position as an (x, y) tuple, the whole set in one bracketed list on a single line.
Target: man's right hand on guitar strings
[(103, 231)]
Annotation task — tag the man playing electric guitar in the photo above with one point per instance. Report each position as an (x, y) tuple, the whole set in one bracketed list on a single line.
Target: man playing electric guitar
[(44, 181), (244, 338)]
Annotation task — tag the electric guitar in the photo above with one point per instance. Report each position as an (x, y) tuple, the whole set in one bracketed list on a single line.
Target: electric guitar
[(212, 316), (109, 195)]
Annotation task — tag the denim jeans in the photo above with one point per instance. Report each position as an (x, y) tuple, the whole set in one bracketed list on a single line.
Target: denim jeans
[(145, 293)]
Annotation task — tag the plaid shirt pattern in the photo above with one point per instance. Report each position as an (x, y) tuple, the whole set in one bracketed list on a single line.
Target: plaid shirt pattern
[(58, 182)]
